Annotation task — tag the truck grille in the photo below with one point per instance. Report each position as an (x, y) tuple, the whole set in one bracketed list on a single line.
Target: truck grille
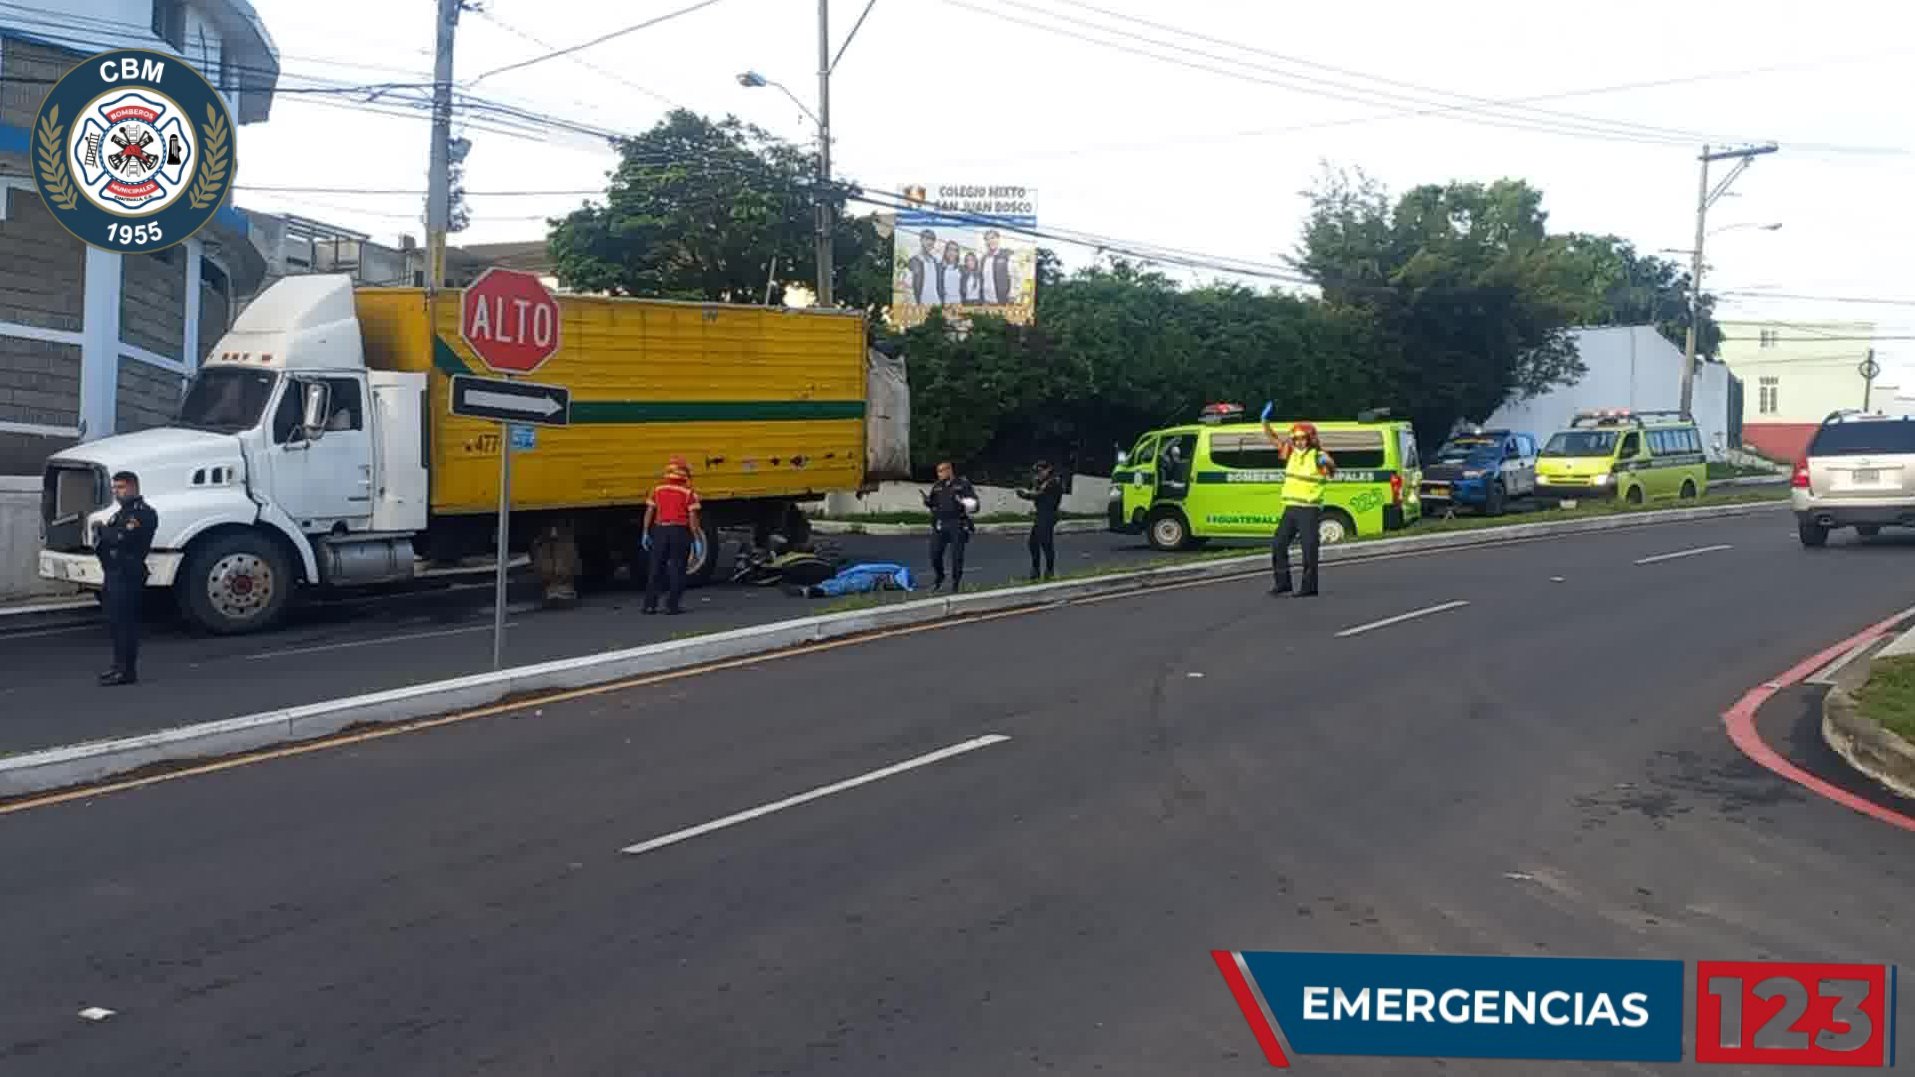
[(69, 493)]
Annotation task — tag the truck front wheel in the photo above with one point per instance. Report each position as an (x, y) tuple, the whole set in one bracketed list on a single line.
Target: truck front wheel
[(240, 581)]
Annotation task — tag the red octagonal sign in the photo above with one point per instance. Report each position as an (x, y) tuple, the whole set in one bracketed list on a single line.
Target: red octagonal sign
[(510, 321)]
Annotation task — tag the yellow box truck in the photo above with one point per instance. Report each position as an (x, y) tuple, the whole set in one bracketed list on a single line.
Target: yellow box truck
[(316, 446)]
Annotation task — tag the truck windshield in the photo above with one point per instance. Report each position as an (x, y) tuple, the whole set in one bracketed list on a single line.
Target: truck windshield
[(1468, 449), (1581, 443), (227, 399)]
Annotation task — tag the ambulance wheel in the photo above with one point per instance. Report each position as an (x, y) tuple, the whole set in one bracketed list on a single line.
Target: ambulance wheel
[(1166, 530), (1688, 490), (1494, 499), (1633, 495), (1334, 527)]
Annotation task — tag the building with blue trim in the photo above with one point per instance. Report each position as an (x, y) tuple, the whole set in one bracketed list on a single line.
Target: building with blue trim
[(94, 343)]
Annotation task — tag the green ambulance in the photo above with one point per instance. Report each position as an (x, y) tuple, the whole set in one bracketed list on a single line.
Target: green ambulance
[(1221, 478)]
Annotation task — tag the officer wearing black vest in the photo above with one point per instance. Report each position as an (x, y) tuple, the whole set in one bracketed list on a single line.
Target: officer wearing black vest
[(122, 545), (951, 500)]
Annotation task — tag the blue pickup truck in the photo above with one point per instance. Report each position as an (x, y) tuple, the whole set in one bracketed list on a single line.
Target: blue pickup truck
[(1479, 469)]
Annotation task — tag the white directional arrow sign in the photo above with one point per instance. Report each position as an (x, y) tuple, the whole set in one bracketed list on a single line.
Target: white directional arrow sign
[(517, 405), (511, 401)]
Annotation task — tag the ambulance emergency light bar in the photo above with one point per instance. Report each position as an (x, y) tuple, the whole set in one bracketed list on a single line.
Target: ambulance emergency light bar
[(1616, 417), (1220, 413)]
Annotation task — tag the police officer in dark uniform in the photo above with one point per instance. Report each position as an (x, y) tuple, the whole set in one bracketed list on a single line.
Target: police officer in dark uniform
[(951, 501), (122, 544), (1046, 492)]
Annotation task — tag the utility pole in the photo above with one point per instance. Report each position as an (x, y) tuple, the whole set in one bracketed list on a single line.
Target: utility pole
[(439, 181), (1706, 197), (824, 154), (1870, 368)]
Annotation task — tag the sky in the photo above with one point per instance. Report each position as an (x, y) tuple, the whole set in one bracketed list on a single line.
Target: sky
[(1196, 128)]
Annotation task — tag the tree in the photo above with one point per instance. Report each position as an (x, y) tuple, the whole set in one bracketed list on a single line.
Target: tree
[(1469, 294), (698, 209), (1623, 287)]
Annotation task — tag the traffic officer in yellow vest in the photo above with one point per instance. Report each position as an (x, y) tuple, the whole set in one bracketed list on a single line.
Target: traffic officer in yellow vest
[(1306, 471)]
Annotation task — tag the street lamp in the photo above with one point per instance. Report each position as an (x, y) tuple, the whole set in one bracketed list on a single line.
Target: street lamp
[(827, 63), (1707, 196), (1776, 226), (752, 80)]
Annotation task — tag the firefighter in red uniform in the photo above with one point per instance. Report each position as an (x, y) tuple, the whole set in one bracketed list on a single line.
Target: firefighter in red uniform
[(672, 525)]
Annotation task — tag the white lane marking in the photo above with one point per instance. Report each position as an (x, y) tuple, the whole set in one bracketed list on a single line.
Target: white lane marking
[(96, 1013), (369, 642), (880, 774), (1401, 617), (1682, 553), (53, 631), (31, 608)]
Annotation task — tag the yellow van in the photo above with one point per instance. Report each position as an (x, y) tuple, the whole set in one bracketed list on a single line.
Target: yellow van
[(1220, 478), (1636, 456)]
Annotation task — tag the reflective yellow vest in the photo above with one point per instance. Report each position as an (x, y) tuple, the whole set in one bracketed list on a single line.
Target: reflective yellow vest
[(1303, 479)]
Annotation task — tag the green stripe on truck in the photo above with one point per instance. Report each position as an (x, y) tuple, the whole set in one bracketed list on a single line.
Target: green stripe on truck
[(447, 361)]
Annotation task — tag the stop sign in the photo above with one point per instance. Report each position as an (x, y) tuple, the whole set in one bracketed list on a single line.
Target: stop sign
[(510, 321)]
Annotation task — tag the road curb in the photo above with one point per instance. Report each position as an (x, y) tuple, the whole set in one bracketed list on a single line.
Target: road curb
[(1865, 745), (1016, 527), (82, 764)]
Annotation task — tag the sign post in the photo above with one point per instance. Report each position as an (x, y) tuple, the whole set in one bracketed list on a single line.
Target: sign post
[(511, 322)]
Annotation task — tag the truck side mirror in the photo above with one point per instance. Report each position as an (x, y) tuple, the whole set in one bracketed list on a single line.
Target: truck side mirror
[(318, 405)]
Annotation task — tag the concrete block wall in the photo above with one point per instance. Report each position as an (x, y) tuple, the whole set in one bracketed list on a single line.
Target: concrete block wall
[(151, 313), (43, 276), (145, 396)]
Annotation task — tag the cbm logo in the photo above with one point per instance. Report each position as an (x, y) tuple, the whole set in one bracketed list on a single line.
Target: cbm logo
[(133, 151), (1561, 1009)]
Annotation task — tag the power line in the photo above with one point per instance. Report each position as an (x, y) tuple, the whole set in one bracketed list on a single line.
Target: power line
[(1472, 104), (420, 191), (1861, 300), (1291, 81), (587, 64), (600, 40)]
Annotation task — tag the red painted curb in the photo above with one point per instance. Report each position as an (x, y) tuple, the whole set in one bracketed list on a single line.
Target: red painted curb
[(1740, 720)]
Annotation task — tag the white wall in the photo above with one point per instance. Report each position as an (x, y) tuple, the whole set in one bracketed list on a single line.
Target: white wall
[(1628, 367), (1089, 494)]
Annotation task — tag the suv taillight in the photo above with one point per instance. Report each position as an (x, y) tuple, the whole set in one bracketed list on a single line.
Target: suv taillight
[(1396, 488), (1800, 480)]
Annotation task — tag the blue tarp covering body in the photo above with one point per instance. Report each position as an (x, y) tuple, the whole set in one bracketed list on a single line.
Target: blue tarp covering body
[(864, 578)]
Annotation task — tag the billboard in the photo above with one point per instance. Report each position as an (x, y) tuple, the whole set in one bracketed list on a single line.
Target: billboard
[(965, 248)]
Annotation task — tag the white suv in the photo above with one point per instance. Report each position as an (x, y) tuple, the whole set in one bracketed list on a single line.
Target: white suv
[(1859, 471)]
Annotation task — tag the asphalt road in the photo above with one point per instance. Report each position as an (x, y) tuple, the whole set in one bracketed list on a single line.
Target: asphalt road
[(331, 649), (1543, 770)]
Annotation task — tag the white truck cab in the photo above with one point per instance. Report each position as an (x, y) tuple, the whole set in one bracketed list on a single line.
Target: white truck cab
[(290, 463)]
